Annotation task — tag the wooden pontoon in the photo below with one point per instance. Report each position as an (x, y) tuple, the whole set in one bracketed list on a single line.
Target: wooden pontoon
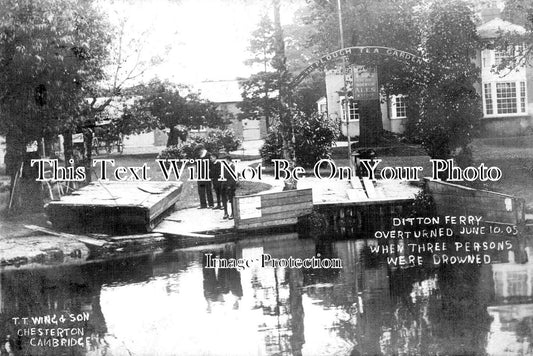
[(116, 208)]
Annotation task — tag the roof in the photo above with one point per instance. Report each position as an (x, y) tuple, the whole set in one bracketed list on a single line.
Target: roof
[(495, 27), (221, 91)]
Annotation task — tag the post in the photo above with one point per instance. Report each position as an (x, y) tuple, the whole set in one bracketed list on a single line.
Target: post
[(346, 107)]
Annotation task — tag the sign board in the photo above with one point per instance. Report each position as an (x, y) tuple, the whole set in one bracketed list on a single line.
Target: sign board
[(409, 58), (272, 209), (32, 147), (250, 207), (364, 85), (77, 138)]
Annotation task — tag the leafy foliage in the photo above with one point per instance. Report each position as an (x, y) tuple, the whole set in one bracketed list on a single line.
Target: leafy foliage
[(259, 93), (390, 23), (214, 141), (165, 103), (448, 105), (519, 46), (314, 137), (218, 140), (423, 205), (53, 52)]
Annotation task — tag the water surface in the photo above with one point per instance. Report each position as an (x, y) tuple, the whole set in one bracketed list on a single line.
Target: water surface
[(170, 304)]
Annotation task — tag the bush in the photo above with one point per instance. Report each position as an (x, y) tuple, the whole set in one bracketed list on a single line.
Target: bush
[(314, 134), (422, 206), (214, 141), (217, 140), (186, 150)]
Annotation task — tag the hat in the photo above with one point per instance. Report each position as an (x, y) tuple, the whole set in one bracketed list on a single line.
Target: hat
[(223, 154)]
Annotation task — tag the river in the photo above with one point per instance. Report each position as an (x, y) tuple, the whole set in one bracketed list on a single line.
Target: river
[(170, 303)]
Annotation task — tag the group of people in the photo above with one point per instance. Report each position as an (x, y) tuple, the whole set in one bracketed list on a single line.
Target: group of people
[(224, 189)]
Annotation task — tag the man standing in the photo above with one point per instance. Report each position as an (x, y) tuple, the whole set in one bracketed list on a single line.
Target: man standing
[(228, 187), (204, 187), (214, 174)]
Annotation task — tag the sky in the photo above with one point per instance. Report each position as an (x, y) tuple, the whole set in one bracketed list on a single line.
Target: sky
[(198, 40)]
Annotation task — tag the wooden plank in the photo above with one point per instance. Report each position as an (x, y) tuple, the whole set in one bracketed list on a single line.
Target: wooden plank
[(283, 201), (276, 209), (274, 216), (85, 239), (289, 209), (452, 199), (286, 193), (189, 234), (136, 237), (356, 183), (165, 203), (273, 223), (356, 194), (369, 188), (111, 206)]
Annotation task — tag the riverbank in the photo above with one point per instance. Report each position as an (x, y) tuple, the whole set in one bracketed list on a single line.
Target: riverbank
[(25, 247)]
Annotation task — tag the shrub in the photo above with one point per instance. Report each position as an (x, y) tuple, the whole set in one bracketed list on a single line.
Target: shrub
[(182, 151), (273, 146), (314, 134), (423, 205), (217, 140), (214, 141)]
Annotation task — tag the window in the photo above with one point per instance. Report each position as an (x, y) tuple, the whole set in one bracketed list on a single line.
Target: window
[(508, 54), (500, 56), (200, 128), (504, 98), (522, 96), (488, 99), (399, 107), (485, 58), (353, 109)]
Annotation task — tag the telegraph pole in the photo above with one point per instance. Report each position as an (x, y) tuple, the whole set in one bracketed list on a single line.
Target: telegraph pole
[(346, 106)]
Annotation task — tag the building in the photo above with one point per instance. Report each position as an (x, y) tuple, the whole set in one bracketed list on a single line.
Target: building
[(227, 94), (507, 94), (393, 108)]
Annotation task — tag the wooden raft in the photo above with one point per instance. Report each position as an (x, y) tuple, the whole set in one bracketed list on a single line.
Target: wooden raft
[(453, 199), (116, 208), (272, 209)]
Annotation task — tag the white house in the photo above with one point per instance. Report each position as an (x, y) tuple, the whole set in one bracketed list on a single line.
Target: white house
[(507, 94), (227, 94), (393, 108)]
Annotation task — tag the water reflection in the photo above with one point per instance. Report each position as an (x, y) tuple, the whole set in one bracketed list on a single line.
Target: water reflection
[(170, 304)]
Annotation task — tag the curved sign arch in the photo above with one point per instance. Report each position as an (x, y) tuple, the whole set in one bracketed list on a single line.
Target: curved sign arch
[(357, 50)]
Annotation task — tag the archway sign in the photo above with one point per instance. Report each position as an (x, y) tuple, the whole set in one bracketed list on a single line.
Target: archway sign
[(357, 50)]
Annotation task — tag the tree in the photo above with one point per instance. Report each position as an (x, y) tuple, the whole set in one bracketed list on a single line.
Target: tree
[(448, 105), (127, 62), (259, 97), (389, 23), (260, 90), (519, 12), (262, 44), (165, 102), (279, 63), (314, 137), (51, 53)]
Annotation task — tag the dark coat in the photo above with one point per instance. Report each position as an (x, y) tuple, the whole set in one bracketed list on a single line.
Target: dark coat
[(214, 171), (229, 183)]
